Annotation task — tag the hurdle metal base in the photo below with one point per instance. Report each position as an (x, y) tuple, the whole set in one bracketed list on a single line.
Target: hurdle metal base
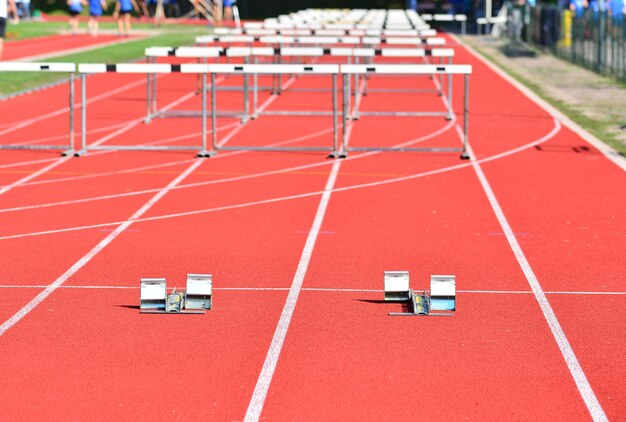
[(206, 154), (405, 149)]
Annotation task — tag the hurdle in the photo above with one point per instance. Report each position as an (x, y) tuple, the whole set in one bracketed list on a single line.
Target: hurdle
[(460, 18), (268, 69), (70, 68), (200, 53), (257, 32), (370, 70), (160, 68), (350, 54)]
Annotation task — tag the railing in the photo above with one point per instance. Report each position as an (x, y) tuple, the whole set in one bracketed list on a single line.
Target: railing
[(595, 39)]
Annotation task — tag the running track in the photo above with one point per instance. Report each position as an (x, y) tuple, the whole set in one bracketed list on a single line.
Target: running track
[(297, 245)]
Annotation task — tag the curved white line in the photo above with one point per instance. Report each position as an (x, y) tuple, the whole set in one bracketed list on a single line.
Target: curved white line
[(228, 179), (552, 133)]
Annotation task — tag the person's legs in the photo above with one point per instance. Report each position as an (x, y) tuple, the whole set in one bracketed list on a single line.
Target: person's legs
[(73, 21), (120, 24), (3, 23), (127, 23)]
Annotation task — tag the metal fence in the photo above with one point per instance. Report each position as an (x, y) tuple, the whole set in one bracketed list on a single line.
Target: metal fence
[(595, 39)]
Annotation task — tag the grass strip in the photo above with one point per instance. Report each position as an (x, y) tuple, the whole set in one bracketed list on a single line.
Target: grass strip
[(15, 82)]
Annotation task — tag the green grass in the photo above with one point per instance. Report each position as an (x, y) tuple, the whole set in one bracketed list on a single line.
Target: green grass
[(25, 30), (14, 82), (601, 130)]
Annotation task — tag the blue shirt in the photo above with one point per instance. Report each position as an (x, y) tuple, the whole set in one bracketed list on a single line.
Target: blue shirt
[(76, 6), (617, 7), (125, 5), (95, 7)]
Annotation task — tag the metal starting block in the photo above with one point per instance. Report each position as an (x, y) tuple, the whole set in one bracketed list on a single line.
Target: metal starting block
[(442, 295), (196, 299)]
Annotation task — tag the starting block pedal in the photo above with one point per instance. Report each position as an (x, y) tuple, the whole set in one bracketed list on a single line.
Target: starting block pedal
[(443, 292), (442, 295), (397, 286), (199, 291), (153, 294), (197, 299)]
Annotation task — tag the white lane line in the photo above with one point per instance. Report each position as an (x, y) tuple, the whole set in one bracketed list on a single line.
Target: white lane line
[(169, 163), (271, 360), (218, 181), (27, 122), (61, 160), (553, 132), (606, 150), (589, 397), (31, 176), (321, 289), (93, 252)]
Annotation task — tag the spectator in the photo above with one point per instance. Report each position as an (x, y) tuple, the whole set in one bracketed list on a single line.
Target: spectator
[(5, 7), (578, 7), (95, 11), (75, 7), (143, 9), (122, 11), (617, 9), (23, 8)]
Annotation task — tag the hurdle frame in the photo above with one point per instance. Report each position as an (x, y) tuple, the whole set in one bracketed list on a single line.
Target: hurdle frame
[(256, 69), (70, 68), (154, 68), (347, 70)]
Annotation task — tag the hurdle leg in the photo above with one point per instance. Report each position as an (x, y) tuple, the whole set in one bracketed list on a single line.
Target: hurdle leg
[(255, 91), (83, 116), (450, 112), (70, 149), (154, 91), (280, 75), (213, 117), (355, 115), (464, 154), (203, 150), (336, 153), (148, 118), (246, 100), (343, 153)]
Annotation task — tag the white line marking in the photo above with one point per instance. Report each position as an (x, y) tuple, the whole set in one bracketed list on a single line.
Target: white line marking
[(93, 252), (217, 181), (606, 150), (271, 360), (589, 397), (292, 197), (31, 176), (320, 289), (60, 111)]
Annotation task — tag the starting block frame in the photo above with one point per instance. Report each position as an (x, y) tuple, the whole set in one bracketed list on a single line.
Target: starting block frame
[(196, 299), (440, 302)]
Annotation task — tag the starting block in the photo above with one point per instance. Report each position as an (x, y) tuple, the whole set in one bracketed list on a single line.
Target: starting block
[(442, 295), (196, 299)]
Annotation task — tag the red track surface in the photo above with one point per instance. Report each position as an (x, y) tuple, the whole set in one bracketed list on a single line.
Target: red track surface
[(85, 352)]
